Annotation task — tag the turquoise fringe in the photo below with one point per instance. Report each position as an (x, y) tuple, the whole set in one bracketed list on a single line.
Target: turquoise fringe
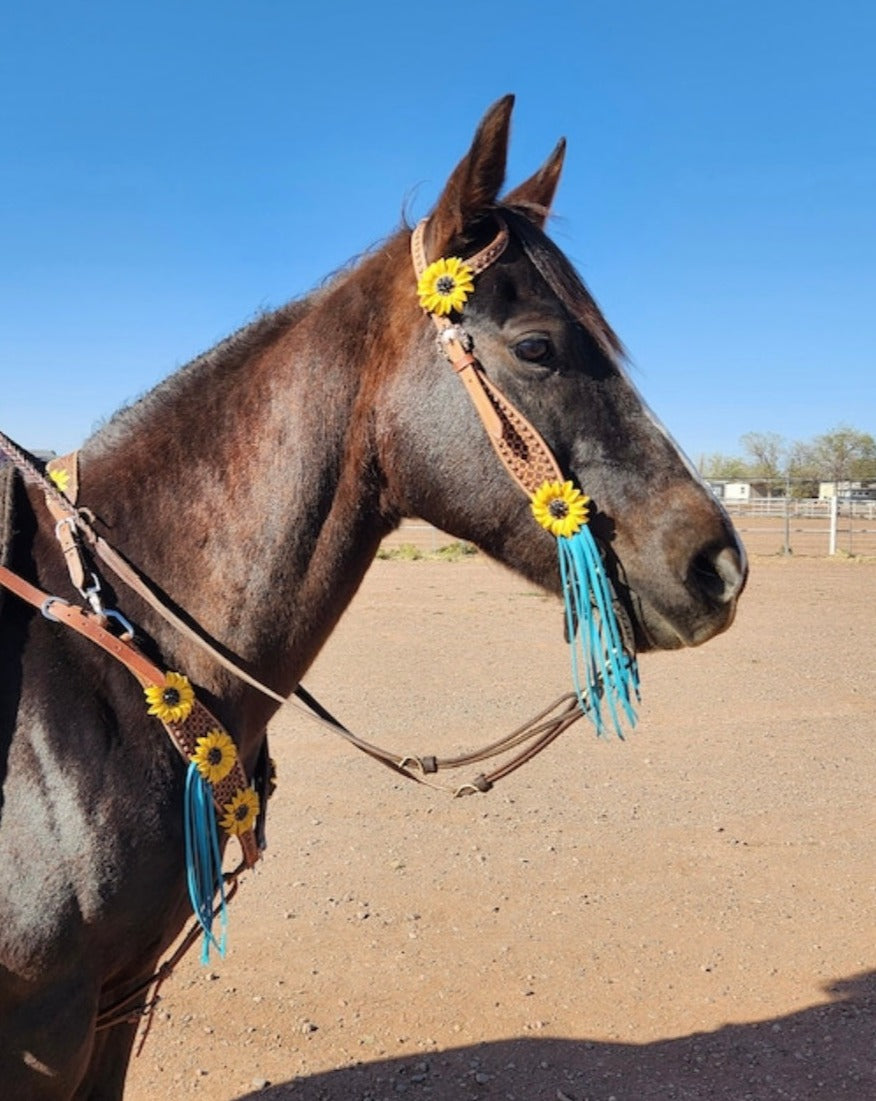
[(605, 676), (204, 860)]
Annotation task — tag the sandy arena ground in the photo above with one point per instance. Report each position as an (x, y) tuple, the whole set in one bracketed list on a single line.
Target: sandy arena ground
[(685, 916)]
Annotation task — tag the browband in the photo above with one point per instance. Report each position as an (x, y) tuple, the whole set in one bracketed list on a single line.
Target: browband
[(477, 263)]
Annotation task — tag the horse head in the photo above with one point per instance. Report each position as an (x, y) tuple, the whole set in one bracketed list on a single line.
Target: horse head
[(541, 340)]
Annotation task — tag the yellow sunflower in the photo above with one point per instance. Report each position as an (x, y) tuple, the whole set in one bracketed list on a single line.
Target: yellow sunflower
[(241, 812), (61, 479), (214, 755), (560, 507), (171, 701), (445, 286)]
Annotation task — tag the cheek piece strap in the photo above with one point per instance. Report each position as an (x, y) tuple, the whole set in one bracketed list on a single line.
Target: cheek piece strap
[(604, 672)]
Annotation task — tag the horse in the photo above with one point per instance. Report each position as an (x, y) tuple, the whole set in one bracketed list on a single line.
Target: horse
[(253, 488)]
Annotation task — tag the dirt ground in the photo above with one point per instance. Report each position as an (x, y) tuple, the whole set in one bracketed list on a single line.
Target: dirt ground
[(687, 915)]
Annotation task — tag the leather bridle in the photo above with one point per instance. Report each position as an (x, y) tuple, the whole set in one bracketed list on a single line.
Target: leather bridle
[(520, 447)]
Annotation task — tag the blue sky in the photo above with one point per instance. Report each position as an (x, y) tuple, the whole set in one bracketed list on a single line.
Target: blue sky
[(168, 170)]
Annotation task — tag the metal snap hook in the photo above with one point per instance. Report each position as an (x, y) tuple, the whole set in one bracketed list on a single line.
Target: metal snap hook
[(127, 629), (92, 595)]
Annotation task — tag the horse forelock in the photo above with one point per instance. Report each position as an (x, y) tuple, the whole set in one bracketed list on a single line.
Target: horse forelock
[(550, 262), (555, 268)]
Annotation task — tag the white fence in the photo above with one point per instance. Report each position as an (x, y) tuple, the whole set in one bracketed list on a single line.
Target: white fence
[(799, 526), (810, 507), (806, 526)]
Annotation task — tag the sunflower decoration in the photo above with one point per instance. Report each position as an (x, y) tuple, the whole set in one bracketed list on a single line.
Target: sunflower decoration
[(560, 508), (60, 479), (171, 701), (214, 756), (241, 812), (445, 286)]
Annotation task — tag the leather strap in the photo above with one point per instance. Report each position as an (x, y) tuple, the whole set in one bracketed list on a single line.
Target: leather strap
[(521, 448), (66, 534), (477, 263), (84, 623), (64, 471), (183, 735)]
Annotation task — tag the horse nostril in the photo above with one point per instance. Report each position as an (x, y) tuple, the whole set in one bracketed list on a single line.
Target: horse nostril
[(719, 573)]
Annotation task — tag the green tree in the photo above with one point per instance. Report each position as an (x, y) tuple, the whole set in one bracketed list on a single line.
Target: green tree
[(844, 455), (768, 453), (725, 467), (802, 469)]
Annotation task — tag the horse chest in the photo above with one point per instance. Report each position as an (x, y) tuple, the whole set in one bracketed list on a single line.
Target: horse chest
[(92, 829)]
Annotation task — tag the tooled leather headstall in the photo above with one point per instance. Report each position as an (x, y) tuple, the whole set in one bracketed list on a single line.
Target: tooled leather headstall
[(604, 670), (523, 452)]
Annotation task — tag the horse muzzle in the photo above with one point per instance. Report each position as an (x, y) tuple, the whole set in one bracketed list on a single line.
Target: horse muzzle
[(688, 597)]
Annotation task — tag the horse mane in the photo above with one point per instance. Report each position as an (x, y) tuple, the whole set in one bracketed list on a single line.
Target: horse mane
[(226, 357)]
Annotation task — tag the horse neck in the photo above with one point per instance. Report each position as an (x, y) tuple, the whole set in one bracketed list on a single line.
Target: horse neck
[(246, 488)]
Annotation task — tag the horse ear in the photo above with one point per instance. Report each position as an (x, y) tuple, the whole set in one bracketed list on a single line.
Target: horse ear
[(535, 197), (475, 182)]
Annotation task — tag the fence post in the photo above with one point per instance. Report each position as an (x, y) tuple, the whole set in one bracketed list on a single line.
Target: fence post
[(834, 512)]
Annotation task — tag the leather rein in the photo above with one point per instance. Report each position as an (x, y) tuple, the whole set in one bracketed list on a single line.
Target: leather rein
[(75, 533)]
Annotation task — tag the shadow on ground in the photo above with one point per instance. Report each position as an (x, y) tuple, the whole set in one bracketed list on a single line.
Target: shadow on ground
[(825, 1053)]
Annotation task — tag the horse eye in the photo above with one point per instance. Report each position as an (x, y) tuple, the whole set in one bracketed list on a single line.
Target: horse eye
[(534, 349)]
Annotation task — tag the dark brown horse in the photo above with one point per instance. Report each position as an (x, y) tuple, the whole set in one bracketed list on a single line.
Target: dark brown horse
[(254, 487)]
